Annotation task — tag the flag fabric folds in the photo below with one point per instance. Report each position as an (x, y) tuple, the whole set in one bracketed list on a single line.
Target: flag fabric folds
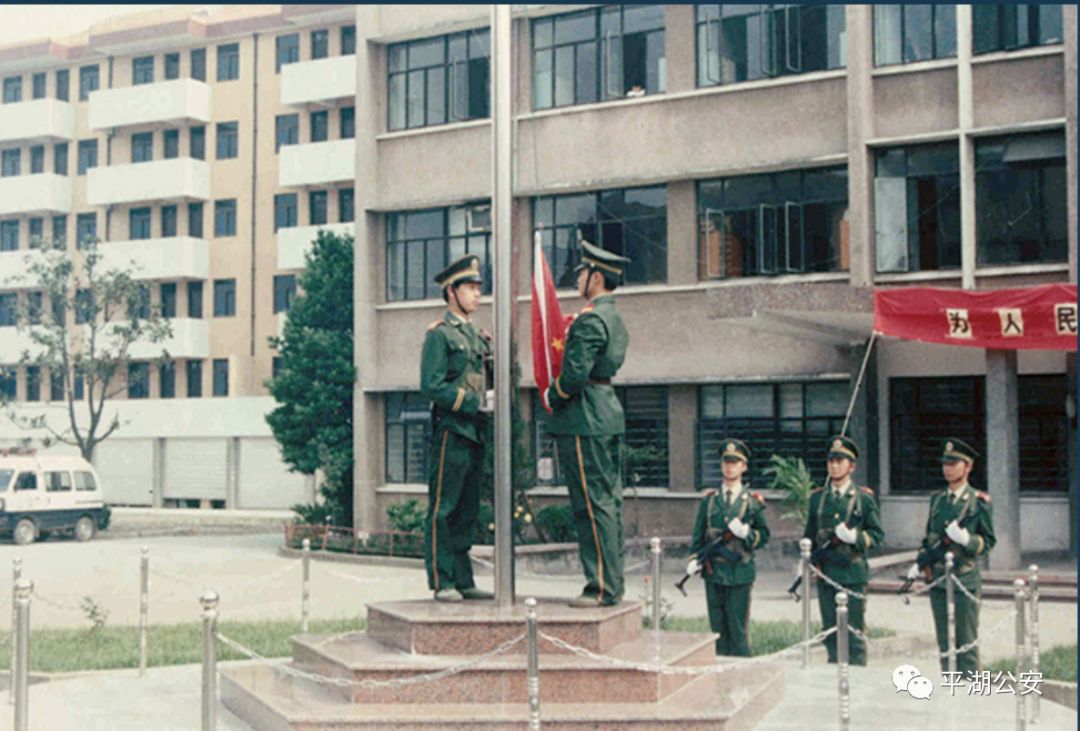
[(548, 325)]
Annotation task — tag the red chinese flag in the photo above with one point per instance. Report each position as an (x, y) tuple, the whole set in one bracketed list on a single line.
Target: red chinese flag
[(548, 325)]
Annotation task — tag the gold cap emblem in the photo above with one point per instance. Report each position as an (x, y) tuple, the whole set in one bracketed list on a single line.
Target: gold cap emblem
[(948, 446), (730, 448), (837, 444)]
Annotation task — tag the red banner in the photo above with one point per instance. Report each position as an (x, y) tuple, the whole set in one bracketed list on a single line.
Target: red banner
[(1027, 318), (548, 325)]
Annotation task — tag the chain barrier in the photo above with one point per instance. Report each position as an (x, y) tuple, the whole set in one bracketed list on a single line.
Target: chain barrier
[(923, 589), (342, 575), (975, 642), (154, 571), (860, 635), (369, 684), (57, 604), (965, 592), (835, 585)]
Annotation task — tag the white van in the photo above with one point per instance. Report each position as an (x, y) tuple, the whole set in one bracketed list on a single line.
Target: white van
[(43, 493)]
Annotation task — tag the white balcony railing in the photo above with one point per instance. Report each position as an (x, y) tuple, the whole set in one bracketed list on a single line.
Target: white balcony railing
[(30, 194), (15, 267), (293, 244), (179, 257), (319, 81), (181, 178), (13, 343), (190, 339), (317, 163), (176, 101), (37, 120)]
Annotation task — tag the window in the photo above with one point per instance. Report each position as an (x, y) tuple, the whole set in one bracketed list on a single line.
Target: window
[(88, 81), (37, 159), (1008, 27), (908, 33), (346, 208), (59, 231), (58, 481), (287, 130), (228, 62), (167, 380), (9, 235), (408, 430), (1020, 199), (142, 70), (9, 383), (168, 221), (225, 217), (38, 85), (172, 66), (320, 44), (9, 309), (792, 419), (607, 53), (284, 292), (168, 299), (12, 89), (63, 85), (421, 243), (348, 123), (139, 224), (26, 481), (285, 210), (194, 378), (227, 140), (142, 147), (138, 380), (224, 297), (275, 366), (37, 232), (317, 207), (34, 307), (198, 143), (439, 80), (10, 162), (198, 64), (781, 223), (172, 143), (287, 50), (320, 126), (56, 385), (87, 153), (631, 222), (139, 303), (917, 208), (85, 481), (195, 220), (348, 40), (84, 306), (60, 158), (221, 376), (33, 383), (195, 300), (85, 229)]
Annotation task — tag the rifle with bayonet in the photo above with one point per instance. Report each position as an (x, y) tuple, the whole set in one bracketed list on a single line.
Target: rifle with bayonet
[(819, 557), (715, 547), (935, 553)]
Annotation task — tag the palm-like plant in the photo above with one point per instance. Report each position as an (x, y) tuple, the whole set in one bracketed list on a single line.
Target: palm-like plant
[(791, 474)]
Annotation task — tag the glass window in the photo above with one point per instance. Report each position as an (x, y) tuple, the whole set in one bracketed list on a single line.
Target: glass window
[(139, 224), (58, 481), (284, 291), (89, 80), (85, 229), (320, 126), (33, 383), (142, 70), (348, 40), (37, 232), (438, 80), (1008, 27), (909, 33), (63, 84), (168, 221), (195, 220), (60, 158), (9, 235), (37, 159), (194, 378), (228, 140), (287, 50), (408, 431), (38, 84), (9, 384), (198, 143), (56, 385), (221, 376), (138, 380), (139, 304), (167, 380), (84, 306), (224, 297), (320, 44), (317, 207), (12, 89), (9, 309), (276, 366), (287, 130), (10, 162), (1020, 199), (168, 299), (87, 156), (34, 307), (59, 231), (917, 208), (172, 66), (346, 207), (285, 210), (85, 481), (631, 222), (421, 243), (195, 300), (198, 64), (228, 62), (142, 147), (348, 123), (172, 143), (26, 481), (225, 217)]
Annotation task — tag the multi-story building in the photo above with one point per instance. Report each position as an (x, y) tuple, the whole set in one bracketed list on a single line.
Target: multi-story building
[(206, 149), (766, 167)]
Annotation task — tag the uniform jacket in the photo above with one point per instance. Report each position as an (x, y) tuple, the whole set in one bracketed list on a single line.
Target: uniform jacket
[(452, 375), (595, 350), (712, 520), (973, 512), (856, 507)]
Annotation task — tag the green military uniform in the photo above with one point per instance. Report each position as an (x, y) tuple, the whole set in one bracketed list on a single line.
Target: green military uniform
[(729, 576), (588, 424), (844, 563), (452, 378), (971, 509)]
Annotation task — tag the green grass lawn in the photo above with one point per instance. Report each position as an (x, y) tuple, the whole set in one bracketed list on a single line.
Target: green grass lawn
[(1057, 663), (765, 637)]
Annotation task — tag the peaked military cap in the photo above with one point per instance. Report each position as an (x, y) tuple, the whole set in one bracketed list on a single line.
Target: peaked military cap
[(595, 257), (844, 448), (734, 449), (957, 450), (465, 269)]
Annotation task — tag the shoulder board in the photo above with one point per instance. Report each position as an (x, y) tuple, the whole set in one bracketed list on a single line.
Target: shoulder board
[(984, 496), (587, 309), (435, 324), (868, 491), (758, 496), (710, 492)]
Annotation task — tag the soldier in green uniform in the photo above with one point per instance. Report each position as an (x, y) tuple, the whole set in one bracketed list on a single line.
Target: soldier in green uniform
[(844, 520), (452, 378), (962, 522), (736, 517), (588, 424)]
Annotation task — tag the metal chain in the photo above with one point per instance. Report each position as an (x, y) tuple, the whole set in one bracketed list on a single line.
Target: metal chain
[(860, 635), (342, 575), (923, 589), (836, 586), (237, 590), (997, 628), (56, 604), (369, 683), (965, 592)]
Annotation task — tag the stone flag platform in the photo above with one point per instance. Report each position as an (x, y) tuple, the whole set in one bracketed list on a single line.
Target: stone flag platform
[(417, 638)]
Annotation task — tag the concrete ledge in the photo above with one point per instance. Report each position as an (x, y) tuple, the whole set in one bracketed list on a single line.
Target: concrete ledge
[(1060, 692), (355, 558)]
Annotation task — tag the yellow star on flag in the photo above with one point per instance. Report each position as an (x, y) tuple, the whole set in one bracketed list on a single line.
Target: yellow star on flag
[(557, 344)]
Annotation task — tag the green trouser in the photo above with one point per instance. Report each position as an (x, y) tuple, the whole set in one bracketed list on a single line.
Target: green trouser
[(856, 616), (594, 479), (729, 616), (967, 622), (456, 472)]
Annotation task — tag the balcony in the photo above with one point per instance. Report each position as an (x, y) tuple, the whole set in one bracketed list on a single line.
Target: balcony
[(178, 257), (317, 163), (44, 193), (293, 244), (190, 339), (14, 268), (13, 343), (178, 179), (37, 121), (167, 102), (319, 82)]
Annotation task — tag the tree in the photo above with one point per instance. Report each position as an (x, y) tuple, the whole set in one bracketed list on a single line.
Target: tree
[(83, 318), (314, 386)]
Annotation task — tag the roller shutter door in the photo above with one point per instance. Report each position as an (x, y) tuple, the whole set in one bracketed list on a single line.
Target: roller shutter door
[(196, 468), (126, 469), (265, 481)]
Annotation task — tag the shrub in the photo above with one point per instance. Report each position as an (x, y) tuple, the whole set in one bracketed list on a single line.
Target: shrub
[(557, 522), (407, 517)]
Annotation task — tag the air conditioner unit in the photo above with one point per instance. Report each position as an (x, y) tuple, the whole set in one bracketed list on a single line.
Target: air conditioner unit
[(478, 218)]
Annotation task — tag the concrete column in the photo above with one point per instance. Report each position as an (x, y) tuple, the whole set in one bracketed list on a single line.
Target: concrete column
[(965, 122), (157, 490), (860, 122), (682, 416), (682, 233), (1074, 488), (232, 478), (679, 31), (1003, 456)]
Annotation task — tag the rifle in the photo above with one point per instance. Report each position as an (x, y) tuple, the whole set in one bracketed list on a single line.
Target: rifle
[(715, 547), (819, 557), (935, 554)]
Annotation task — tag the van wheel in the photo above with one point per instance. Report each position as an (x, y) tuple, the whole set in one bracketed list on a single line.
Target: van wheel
[(84, 529), (25, 532)]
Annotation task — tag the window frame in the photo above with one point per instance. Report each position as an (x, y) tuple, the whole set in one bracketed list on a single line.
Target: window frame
[(227, 140), (398, 98), (228, 62), (225, 297), (463, 241), (142, 70), (225, 223)]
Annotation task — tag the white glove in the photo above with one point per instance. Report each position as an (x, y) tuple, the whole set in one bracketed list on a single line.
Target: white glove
[(958, 534), (913, 572), (487, 403), (847, 535), (738, 528), (693, 567)]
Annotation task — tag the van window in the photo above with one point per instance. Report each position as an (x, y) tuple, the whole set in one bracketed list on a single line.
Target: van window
[(85, 481), (26, 481), (5, 479), (58, 481)]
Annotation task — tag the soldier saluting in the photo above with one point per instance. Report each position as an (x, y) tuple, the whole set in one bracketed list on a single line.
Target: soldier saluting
[(452, 378), (588, 424)]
